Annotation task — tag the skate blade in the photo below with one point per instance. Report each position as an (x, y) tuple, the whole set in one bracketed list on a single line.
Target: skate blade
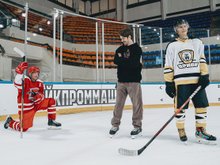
[(135, 136), (111, 136), (53, 128), (184, 142), (203, 141)]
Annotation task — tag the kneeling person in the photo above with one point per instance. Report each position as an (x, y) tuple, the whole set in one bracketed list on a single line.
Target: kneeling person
[(33, 99)]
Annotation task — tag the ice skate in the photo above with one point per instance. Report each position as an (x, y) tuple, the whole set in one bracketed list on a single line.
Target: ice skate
[(52, 124), (203, 137), (182, 135), (113, 131), (7, 121), (136, 132)]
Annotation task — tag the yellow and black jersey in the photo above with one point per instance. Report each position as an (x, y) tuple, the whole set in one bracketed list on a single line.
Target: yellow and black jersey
[(185, 61)]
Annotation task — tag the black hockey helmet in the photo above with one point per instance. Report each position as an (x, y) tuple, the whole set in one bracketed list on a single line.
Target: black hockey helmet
[(180, 22)]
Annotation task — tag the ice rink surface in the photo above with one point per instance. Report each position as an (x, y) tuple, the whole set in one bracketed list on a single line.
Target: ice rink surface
[(84, 140)]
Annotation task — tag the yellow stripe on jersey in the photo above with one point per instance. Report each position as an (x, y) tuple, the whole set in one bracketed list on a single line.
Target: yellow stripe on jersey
[(168, 74)]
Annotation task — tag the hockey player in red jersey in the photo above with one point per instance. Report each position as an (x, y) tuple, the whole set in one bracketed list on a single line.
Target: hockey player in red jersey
[(33, 99)]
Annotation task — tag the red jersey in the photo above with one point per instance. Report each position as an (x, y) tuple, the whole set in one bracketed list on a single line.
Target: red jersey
[(30, 89)]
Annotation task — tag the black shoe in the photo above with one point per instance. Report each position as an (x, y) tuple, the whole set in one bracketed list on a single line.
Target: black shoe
[(7, 121), (113, 131), (182, 135), (53, 123), (203, 137), (135, 132)]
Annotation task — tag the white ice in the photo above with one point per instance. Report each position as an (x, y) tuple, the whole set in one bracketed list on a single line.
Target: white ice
[(84, 140)]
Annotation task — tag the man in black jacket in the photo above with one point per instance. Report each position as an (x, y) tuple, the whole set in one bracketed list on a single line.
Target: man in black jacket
[(127, 59)]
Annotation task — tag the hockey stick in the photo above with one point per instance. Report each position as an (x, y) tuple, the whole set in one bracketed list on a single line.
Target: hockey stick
[(127, 152), (24, 59), (21, 53)]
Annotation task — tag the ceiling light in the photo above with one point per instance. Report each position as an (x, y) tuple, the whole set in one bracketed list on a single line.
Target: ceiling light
[(14, 20), (23, 15)]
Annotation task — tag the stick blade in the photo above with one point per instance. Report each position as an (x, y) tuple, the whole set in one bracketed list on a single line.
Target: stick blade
[(127, 152)]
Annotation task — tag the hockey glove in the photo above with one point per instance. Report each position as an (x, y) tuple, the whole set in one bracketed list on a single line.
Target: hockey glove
[(204, 81), (170, 89), (32, 94), (21, 67), (38, 98)]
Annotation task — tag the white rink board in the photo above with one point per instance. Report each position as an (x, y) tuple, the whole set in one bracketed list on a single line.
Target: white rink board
[(76, 95)]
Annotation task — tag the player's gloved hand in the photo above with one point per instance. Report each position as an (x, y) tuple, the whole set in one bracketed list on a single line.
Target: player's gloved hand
[(32, 94), (170, 89), (21, 67), (204, 81), (38, 98)]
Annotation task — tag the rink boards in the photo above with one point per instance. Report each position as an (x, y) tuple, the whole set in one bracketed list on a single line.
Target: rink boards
[(79, 97)]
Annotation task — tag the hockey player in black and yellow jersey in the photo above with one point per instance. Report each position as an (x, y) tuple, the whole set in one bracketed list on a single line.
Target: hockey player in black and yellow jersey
[(185, 69)]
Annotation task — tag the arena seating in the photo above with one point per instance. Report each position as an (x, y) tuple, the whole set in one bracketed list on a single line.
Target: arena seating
[(86, 58), (75, 57), (152, 59), (76, 29), (82, 31), (214, 53), (199, 24), (86, 34), (35, 22)]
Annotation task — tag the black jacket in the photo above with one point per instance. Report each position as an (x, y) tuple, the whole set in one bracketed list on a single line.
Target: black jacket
[(129, 66)]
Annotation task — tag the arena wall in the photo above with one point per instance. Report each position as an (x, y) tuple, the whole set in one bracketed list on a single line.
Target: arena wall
[(152, 11), (82, 97)]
